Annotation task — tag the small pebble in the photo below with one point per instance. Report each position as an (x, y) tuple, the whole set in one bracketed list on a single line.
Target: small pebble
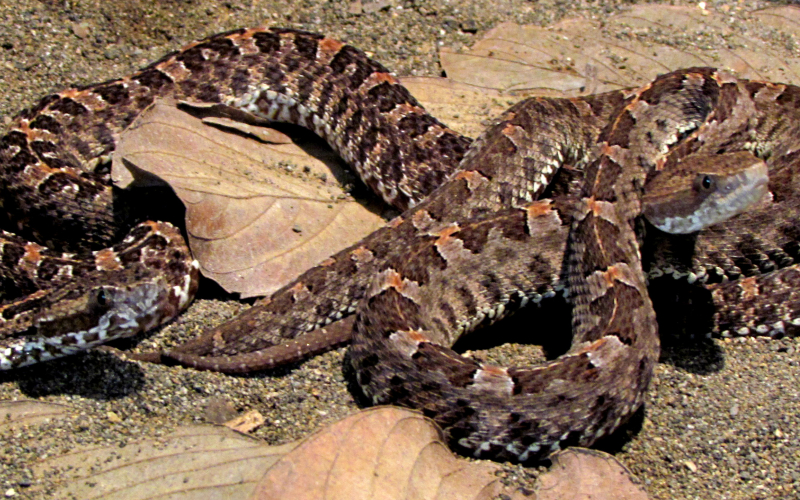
[(81, 30), (469, 26)]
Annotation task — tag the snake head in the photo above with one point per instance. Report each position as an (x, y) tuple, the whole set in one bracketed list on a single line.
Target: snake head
[(110, 302), (102, 312), (703, 190)]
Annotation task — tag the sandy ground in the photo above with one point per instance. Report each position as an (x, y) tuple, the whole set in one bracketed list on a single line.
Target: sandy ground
[(722, 421)]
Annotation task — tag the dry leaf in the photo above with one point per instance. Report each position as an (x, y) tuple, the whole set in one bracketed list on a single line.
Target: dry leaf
[(581, 474), (580, 56), (195, 462), (15, 414), (381, 453), (252, 224)]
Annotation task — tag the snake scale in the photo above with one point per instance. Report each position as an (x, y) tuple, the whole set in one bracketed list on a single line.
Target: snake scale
[(489, 240)]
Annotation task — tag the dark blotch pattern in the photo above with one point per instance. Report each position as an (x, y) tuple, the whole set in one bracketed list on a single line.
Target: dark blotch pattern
[(153, 78), (387, 96), (414, 124), (424, 260), (69, 107), (267, 42), (12, 255), (114, 94), (46, 122), (306, 44), (19, 161)]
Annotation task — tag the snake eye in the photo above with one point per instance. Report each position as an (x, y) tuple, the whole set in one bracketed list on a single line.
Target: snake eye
[(102, 297), (707, 182)]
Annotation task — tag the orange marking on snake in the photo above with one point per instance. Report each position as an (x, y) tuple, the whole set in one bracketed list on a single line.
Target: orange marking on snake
[(72, 93), (32, 253), (378, 78), (749, 287), (107, 259), (394, 280), (593, 206), (361, 253), (416, 336), (509, 129), (539, 208), (330, 46), (612, 275), (495, 370), (472, 177), (445, 234), (420, 217)]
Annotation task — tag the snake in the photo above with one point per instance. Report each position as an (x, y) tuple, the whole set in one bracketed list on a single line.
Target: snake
[(486, 226), (64, 215), (401, 349)]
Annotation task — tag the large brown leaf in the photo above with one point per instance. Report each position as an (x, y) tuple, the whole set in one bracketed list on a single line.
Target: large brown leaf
[(257, 214), (381, 453), (195, 462), (583, 56), (581, 474), (386, 453)]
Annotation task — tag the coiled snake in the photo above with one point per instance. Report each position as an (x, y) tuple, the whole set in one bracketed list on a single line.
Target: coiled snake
[(485, 243)]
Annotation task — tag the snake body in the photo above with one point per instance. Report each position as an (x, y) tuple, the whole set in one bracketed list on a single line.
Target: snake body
[(484, 235), (58, 192), (407, 323)]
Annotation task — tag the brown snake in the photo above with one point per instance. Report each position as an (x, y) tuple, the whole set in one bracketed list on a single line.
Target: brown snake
[(404, 329), (487, 210), (58, 192)]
